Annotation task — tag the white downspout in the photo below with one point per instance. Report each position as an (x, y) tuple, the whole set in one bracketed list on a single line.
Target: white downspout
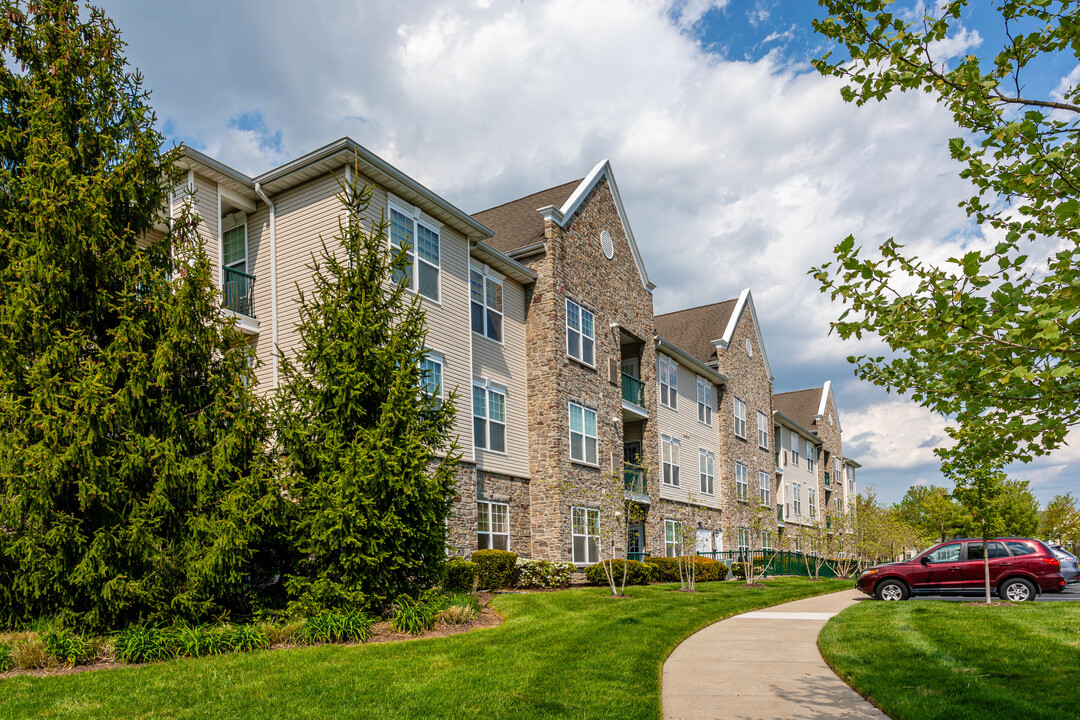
[(273, 283)]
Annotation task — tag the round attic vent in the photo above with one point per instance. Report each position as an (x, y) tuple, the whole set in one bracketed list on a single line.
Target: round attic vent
[(606, 245)]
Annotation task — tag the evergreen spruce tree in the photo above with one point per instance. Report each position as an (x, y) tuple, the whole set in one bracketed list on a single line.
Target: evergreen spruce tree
[(366, 452), (133, 477)]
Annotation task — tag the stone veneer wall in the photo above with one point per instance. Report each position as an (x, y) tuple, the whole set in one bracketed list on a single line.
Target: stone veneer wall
[(749, 381), (475, 484), (574, 266), (461, 527), (831, 443)]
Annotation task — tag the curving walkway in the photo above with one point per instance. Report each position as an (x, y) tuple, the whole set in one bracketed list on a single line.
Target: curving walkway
[(763, 664)]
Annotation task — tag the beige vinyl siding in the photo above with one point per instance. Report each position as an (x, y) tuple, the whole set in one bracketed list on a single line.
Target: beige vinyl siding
[(632, 433), (258, 232), (207, 207), (693, 436), (504, 365), (800, 474)]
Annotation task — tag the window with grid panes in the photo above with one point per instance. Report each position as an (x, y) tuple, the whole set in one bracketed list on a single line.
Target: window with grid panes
[(740, 418), (763, 430), (672, 538), (486, 302), (704, 401), (585, 535), (669, 382), (763, 486), (705, 471), (742, 481), (489, 419), (580, 338), (582, 434), (492, 526), (420, 243), (669, 450)]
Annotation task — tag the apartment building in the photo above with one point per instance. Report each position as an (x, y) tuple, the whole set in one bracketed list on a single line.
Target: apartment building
[(573, 398)]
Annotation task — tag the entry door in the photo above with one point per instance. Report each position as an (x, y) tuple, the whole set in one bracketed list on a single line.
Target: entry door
[(704, 541), (635, 539), (630, 367)]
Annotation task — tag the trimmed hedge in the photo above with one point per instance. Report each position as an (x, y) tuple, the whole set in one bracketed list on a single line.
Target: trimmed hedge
[(740, 570), (459, 576), (705, 570), (542, 573), (495, 568), (637, 573)]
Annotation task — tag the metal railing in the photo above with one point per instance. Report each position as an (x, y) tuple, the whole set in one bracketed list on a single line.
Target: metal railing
[(634, 479), (639, 556), (780, 515), (237, 291), (633, 390), (779, 562), (826, 479)]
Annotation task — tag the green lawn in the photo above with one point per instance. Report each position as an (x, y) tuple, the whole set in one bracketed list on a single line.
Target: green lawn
[(571, 654), (926, 659)]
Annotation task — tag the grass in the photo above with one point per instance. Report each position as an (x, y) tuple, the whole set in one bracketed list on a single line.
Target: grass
[(923, 659), (571, 654)]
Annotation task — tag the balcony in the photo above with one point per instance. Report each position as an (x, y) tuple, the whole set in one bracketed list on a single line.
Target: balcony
[(780, 516), (238, 299), (634, 481), (827, 485), (638, 556), (633, 399)]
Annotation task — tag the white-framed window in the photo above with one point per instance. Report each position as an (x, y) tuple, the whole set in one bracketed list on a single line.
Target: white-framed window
[(431, 374), (798, 544), (492, 526), (810, 456), (669, 451), (744, 540), (840, 506), (763, 430), (486, 303), (811, 500), (838, 466), (705, 471), (796, 498), (795, 449), (672, 538), (763, 486), (766, 541), (851, 478), (704, 401), (489, 418), (580, 333), (420, 243), (740, 418), (742, 481), (669, 382), (582, 434), (585, 535), (234, 247)]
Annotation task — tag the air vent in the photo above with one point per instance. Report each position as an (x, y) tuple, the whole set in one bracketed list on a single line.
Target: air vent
[(606, 245)]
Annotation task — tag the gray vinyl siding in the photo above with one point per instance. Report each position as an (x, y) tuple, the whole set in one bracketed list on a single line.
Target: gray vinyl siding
[(693, 436)]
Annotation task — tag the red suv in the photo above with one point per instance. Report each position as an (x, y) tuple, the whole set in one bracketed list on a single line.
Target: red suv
[(1020, 568)]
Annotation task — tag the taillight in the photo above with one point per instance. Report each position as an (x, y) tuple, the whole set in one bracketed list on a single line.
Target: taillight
[(1053, 562)]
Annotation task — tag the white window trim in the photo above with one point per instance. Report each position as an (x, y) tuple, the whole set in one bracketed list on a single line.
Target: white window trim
[(743, 496), (489, 275), (489, 388), (796, 499), (247, 249), (490, 533), (663, 361), (736, 420), (811, 501), (706, 471), (704, 387), (676, 459), (762, 429), (743, 540), (573, 534), (764, 489), (418, 218), (440, 358), (676, 538), (810, 456), (795, 442), (584, 435), (567, 328)]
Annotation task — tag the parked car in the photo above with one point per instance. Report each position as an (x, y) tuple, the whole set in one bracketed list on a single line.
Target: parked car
[(1070, 565), (1020, 569)]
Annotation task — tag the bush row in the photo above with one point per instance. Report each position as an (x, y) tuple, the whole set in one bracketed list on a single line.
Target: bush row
[(497, 569)]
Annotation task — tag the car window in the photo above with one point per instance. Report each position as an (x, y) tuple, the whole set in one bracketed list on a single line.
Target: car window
[(975, 551), (945, 553), (1020, 547)]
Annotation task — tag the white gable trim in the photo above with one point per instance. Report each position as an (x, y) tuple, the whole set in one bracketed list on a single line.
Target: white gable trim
[(826, 393), (745, 300), (562, 215)]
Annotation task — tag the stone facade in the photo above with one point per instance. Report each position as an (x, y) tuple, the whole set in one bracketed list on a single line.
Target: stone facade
[(515, 492), (831, 449)]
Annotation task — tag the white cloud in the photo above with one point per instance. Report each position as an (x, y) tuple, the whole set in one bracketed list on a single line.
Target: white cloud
[(893, 434)]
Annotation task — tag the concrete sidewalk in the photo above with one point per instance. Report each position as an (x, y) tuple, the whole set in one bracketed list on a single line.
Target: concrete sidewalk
[(763, 664)]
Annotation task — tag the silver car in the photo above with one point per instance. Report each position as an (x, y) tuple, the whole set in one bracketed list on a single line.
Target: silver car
[(1070, 566)]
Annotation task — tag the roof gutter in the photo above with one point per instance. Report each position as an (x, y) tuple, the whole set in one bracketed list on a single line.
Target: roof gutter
[(273, 281), (527, 250), (692, 361), (797, 426)]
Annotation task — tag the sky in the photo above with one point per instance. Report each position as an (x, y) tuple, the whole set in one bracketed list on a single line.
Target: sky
[(739, 165)]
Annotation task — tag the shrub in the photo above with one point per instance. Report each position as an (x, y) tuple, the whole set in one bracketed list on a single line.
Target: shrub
[(6, 660), (457, 615), (542, 573), (336, 627), (495, 568), (705, 569), (145, 644), (284, 634), (459, 576), (242, 638), (637, 573), (740, 570), (65, 647), (416, 616)]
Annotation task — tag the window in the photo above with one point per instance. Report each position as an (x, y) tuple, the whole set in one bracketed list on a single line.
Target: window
[(420, 244), (489, 419), (705, 469), (582, 434), (740, 418), (975, 550), (670, 458), (796, 498), (763, 486), (766, 541), (234, 243), (669, 382), (704, 401), (810, 456), (1019, 547), (586, 535), (811, 500), (744, 540), (798, 544), (580, 339), (431, 375), (486, 295), (794, 449), (763, 430), (492, 526), (742, 481), (840, 506), (851, 478), (945, 553), (672, 538)]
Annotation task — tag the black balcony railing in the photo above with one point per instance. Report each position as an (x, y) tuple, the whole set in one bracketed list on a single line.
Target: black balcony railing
[(238, 292), (633, 390), (634, 479)]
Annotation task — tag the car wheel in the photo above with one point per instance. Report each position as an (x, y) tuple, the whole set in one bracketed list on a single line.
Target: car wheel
[(891, 590), (1017, 590)]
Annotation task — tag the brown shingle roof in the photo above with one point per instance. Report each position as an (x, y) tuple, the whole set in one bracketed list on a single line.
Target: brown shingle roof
[(694, 329), (799, 405), (517, 224)]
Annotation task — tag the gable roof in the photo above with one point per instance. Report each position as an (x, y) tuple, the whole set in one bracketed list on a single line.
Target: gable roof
[(695, 329), (799, 405), (517, 224)]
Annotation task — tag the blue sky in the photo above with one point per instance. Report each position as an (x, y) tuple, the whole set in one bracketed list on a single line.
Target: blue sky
[(739, 165)]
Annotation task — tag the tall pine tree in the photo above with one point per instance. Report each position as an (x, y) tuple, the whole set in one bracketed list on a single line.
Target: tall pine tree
[(133, 478), (366, 452)]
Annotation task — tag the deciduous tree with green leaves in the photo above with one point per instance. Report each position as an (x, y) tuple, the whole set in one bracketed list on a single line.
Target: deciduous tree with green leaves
[(978, 485), (1060, 521), (933, 511), (991, 337), (133, 479), (1018, 509), (367, 450)]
